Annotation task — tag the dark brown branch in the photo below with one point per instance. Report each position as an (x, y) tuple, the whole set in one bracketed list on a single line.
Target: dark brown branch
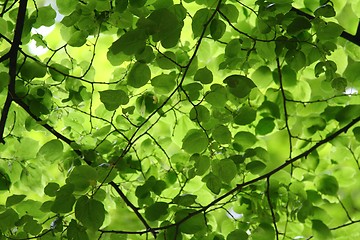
[(12, 67)]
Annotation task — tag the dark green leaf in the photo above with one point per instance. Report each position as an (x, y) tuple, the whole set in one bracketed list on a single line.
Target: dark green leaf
[(266, 125), (244, 116), (130, 43), (8, 219), (327, 185), (5, 181), (217, 28), (51, 189), (112, 99), (76, 231), (240, 86), (325, 11), (64, 200), (139, 75), (255, 167), (185, 200), (320, 230), (199, 20), (204, 75), (193, 224), (164, 83), (14, 199), (298, 25), (237, 235), (90, 212), (156, 211), (213, 183)]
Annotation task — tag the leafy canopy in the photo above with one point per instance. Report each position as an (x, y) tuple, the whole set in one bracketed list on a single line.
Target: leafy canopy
[(179, 119)]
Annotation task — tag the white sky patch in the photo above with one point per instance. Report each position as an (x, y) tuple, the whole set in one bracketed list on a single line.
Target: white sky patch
[(351, 90), (232, 214)]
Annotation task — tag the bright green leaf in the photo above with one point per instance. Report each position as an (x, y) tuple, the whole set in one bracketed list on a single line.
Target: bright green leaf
[(195, 141)]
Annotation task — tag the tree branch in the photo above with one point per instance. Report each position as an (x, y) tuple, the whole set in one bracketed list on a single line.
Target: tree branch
[(12, 55)]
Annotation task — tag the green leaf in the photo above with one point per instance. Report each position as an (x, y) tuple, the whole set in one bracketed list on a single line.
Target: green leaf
[(230, 11), (356, 132), (65, 7), (217, 28), (8, 219), (14, 199), (213, 183), (298, 25), (193, 224), (164, 83), (58, 72), (327, 185), (156, 211), (82, 177), (45, 16), (199, 20), (112, 99), (222, 134), (217, 97), (5, 181), (266, 125), (185, 200), (90, 212), (199, 113), (202, 163), (320, 230), (76, 231), (167, 27), (263, 232), (64, 200), (137, 3), (237, 234), (226, 170), (33, 227), (51, 151), (204, 75), (166, 60), (130, 43), (78, 38), (245, 139), (139, 75), (325, 11), (30, 70), (255, 166), (329, 31), (195, 141), (240, 86), (51, 189), (339, 84), (244, 116)]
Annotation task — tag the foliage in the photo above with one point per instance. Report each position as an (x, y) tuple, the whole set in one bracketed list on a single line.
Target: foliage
[(188, 119)]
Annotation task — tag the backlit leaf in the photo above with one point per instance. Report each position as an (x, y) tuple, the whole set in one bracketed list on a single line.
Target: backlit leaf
[(139, 75), (90, 212), (195, 141), (112, 99)]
